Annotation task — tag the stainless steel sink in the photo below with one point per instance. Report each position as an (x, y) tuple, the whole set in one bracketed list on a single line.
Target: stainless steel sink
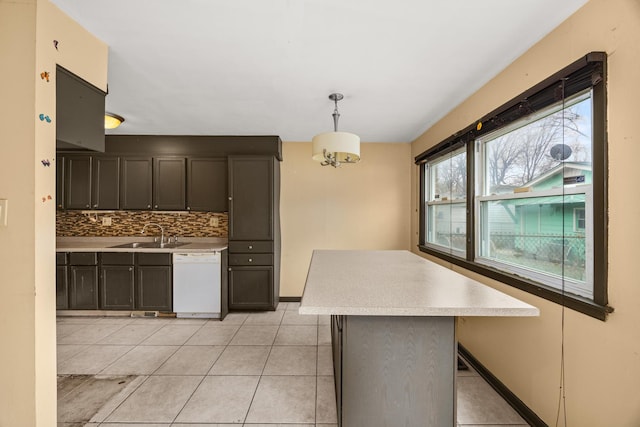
[(135, 245)]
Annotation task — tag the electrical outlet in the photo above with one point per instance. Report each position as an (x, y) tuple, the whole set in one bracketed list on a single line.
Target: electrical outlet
[(106, 220), (213, 222)]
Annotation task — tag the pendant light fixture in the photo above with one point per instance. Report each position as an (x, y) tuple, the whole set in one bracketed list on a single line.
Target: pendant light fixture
[(336, 148)]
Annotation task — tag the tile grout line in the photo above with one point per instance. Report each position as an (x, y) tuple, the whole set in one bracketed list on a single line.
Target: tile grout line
[(140, 375), (262, 372), (123, 400), (203, 377), (137, 375), (132, 348)]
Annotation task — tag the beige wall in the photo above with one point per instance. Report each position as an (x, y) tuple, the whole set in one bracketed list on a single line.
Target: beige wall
[(602, 359), (362, 206), (27, 245)]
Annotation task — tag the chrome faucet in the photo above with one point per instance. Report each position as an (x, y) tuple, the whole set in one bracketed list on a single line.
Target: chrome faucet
[(161, 232)]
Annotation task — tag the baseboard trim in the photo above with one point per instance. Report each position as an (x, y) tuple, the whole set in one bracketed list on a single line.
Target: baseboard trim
[(290, 299), (523, 410)]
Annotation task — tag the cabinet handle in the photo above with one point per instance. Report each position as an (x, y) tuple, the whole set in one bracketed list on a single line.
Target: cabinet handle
[(250, 247), (230, 198), (155, 207), (130, 268), (87, 206), (148, 206), (250, 260), (188, 208), (229, 269), (95, 206)]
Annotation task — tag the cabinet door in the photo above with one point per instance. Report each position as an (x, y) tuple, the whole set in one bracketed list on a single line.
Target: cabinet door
[(169, 183), (207, 185), (79, 112), (59, 165), (62, 288), (77, 181), (106, 183), (83, 288), (336, 346), (251, 197), (135, 183), (116, 287), (251, 288), (153, 288)]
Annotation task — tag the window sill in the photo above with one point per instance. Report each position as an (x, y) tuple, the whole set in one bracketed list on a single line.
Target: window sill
[(576, 303)]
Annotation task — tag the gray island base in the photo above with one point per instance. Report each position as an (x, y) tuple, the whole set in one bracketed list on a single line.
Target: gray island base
[(393, 333)]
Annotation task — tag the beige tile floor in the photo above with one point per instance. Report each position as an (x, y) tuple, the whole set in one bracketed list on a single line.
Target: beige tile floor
[(253, 369)]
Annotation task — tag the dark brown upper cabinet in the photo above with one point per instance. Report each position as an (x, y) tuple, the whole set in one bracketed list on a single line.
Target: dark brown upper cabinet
[(207, 184), (169, 183), (136, 183), (106, 183), (252, 200), (59, 164), (79, 113), (77, 182)]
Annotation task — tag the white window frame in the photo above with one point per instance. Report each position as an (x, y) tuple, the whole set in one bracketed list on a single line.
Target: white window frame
[(555, 281), (431, 201), (558, 282)]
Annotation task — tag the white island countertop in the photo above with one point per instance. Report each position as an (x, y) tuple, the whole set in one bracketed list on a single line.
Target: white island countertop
[(398, 283)]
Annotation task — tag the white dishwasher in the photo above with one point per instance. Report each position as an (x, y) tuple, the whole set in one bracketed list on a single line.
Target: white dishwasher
[(196, 284)]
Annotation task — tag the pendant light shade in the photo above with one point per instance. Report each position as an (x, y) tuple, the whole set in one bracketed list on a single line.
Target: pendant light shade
[(344, 146), (112, 121), (336, 148)]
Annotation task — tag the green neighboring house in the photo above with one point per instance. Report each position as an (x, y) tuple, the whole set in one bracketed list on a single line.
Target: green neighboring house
[(544, 227)]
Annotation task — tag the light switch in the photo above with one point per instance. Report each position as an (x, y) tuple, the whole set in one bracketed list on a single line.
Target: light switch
[(4, 205)]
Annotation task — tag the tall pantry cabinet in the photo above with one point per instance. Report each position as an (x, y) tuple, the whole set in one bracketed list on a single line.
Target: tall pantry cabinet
[(254, 232)]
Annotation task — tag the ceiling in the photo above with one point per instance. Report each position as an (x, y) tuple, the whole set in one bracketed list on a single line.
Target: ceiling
[(266, 67)]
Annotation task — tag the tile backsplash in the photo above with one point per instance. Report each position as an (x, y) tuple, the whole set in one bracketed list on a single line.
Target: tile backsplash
[(130, 223)]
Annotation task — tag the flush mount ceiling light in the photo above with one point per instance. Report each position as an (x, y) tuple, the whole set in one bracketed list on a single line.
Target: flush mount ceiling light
[(112, 121), (336, 148)]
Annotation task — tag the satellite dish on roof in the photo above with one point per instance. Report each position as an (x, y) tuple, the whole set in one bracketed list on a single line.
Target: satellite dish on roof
[(560, 152)]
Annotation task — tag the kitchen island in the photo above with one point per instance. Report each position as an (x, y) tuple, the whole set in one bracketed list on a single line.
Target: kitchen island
[(393, 332)]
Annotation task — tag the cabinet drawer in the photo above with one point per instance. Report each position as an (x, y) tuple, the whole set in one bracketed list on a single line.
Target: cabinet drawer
[(61, 258), (117, 258), (250, 259), (144, 258), (83, 258), (244, 246)]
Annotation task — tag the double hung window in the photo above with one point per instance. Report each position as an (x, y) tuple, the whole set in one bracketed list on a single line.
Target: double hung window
[(520, 195)]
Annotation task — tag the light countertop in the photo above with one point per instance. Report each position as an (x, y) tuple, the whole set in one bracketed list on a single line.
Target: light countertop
[(105, 244), (398, 283)]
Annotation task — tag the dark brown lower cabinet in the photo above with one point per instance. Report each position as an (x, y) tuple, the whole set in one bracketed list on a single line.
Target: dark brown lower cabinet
[(62, 281), (251, 288), (153, 288), (117, 281), (62, 287), (83, 287), (153, 282), (116, 287), (83, 281)]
